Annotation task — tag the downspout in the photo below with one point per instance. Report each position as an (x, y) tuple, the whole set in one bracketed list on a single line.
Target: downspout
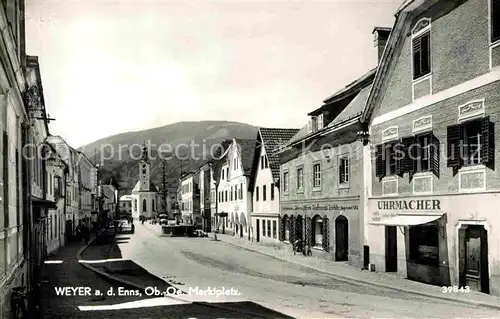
[(29, 252)]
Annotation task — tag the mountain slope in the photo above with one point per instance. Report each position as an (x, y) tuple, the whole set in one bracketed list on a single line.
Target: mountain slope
[(184, 143)]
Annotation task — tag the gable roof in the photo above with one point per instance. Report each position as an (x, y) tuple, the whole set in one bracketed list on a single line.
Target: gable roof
[(354, 109), (389, 57), (273, 139), (152, 187), (247, 151)]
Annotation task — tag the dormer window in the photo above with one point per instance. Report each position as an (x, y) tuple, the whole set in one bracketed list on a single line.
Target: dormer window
[(320, 121)]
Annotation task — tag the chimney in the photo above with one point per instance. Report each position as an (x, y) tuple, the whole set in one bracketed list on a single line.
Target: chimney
[(380, 40)]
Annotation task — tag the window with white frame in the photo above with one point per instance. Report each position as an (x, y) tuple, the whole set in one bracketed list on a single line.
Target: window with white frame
[(285, 182), (317, 175), (300, 178), (421, 53), (344, 170)]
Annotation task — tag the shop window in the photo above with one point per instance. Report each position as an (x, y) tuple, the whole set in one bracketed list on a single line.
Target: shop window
[(471, 143), (317, 231), (424, 245), (421, 55), (495, 20)]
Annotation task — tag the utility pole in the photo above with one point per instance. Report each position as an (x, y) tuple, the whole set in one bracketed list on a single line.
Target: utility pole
[(164, 185)]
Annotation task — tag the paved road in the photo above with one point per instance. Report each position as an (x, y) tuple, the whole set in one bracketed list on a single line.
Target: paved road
[(291, 289)]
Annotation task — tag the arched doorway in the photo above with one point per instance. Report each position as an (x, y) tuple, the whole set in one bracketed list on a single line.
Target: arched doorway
[(341, 238), (298, 227)]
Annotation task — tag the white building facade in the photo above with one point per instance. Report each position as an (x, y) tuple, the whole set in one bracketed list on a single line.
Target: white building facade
[(85, 187), (187, 198), (265, 184), (234, 192)]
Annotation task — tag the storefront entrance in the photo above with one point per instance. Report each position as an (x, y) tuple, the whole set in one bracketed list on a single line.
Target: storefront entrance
[(341, 238), (391, 249), (474, 258)]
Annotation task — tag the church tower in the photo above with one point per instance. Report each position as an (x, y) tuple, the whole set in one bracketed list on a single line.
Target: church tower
[(144, 171)]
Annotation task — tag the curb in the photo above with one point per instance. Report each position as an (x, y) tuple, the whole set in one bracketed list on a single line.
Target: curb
[(142, 288), (354, 280)]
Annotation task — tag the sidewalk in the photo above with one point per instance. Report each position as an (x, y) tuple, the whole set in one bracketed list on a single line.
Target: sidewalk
[(344, 271)]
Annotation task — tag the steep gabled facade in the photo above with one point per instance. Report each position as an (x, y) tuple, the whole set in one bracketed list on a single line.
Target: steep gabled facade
[(434, 182), (321, 193), (264, 183)]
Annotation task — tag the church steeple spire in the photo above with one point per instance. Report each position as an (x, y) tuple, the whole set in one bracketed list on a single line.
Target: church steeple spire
[(145, 156)]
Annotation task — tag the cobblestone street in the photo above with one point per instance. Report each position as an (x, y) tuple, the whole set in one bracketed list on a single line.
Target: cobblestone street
[(285, 287)]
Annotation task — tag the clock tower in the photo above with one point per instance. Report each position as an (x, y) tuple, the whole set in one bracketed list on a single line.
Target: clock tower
[(144, 171)]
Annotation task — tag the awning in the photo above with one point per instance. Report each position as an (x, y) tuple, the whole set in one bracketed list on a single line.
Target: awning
[(43, 202), (407, 220)]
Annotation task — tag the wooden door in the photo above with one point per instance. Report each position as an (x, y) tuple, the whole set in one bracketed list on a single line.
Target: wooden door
[(341, 238), (391, 249), (476, 259)]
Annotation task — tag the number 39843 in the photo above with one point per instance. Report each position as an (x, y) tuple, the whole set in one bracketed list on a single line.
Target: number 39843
[(449, 289)]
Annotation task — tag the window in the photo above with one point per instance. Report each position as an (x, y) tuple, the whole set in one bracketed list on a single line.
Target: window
[(344, 170), (262, 162), (424, 245), (257, 193), (227, 173), (472, 135), (275, 235), (388, 158), (471, 143), (285, 182), (287, 228), (153, 205), (264, 191), (231, 195), (421, 56), (269, 234), (317, 229), (495, 20), (135, 204), (144, 205), (235, 192), (300, 178), (241, 191), (317, 175), (223, 173), (263, 228), (225, 196), (423, 159), (272, 191)]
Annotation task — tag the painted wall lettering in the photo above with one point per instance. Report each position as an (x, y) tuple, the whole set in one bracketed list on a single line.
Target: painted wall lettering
[(318, 207), (421, 204)]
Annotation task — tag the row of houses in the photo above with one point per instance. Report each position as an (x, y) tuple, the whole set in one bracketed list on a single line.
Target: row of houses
[(47, 187), (397, 172)]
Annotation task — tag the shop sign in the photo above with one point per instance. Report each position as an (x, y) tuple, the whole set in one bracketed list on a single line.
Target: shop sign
[(409, 205), (318, 207)]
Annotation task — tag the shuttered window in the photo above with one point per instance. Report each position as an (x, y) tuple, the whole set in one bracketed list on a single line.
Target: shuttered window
[(471, 143), (495, 20), (421, 56), (421, 154)]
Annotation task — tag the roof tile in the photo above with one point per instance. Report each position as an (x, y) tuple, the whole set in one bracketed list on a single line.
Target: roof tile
[(273, 139)]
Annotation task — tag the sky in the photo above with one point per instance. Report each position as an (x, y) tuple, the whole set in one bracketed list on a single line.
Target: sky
[(110, 67)]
